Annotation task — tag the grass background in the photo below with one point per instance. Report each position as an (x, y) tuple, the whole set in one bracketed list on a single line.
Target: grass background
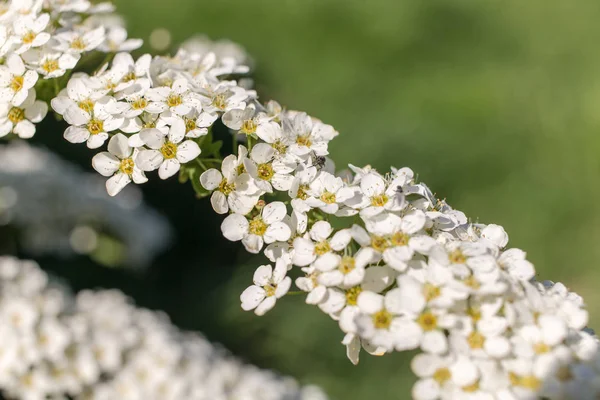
[(496, 105)]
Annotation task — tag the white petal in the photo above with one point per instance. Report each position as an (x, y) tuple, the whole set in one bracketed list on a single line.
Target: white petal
[(168, 168), (105, 163), (116, 183), (266, 305), (413, 222), (279, 231), (253, 243), (234, 227), (340, 240), (434, 342), (149, 160), (283, 287), (262, 275), (274, 212), (219, 202), (320, 231), (426, 389), (251, 297), (119, 147), (76, 135), (372, 184), (153, 138), (262, 153), (369, 302), (210, 179), (187, 151)]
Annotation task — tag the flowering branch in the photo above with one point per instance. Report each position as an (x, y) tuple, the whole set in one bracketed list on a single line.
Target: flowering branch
[(396, 267)]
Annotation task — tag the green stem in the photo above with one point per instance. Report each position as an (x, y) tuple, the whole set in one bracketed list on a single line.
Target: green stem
[(249, 143), (295, 293), (235, 143)]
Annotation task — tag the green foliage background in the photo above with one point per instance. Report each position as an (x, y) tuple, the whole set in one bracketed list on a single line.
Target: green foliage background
[(496, 105)]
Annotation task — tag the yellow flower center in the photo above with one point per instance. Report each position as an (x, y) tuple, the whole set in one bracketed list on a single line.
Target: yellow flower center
[(126, 166), (270, 289), (379, 201), (265, 171), (352, 295), (541, 348), (471, 388), (279, 147), (29, 37), (442, 375), (219, 102), (564, 374), (457, 257), (225, 187), (427, 321), (16, 83), (50, 66), (302, 192), (257, 226), (190, 125), (382, 319), (400, 239), (472, 282), (139, 104), (78, 44), (86, 105), (347, 265), (527, 381), (328, 197), (95, 126), (474, 313), (379, 243), (322, 248), (174, 100), (16, 115), (169, 150), (304, 140), (476, 340), (248, 127), (240, 169), (430, 291), (129, 77)]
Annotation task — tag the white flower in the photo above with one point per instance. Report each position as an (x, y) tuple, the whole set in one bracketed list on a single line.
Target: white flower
[(267, 227), (168, 152), (345, 271), (119, 164), (514, 263), (376, 321), (245, 121), (50, 64), (267, 172), (21, 119), (116, 41), (327, 192), (379, 196), (269, 285), (317, 243), (230, 188), (177, 98), (91, 122), (79, 42), (29, 32), (221, 96), (310, 283), (307, 135), (15, 80)]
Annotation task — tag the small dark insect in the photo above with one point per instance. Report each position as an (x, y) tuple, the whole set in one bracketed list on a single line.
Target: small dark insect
[(399, 189), (319, 162)]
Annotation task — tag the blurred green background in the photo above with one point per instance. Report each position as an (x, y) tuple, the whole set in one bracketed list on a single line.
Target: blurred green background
[(495, 104)]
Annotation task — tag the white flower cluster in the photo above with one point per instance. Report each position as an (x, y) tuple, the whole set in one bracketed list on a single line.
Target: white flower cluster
[(405, 272), (99, 346), (47, 38), (155, 111), (58, 209)]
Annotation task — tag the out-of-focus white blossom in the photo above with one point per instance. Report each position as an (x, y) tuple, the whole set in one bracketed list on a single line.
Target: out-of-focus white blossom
[(98, 345)]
